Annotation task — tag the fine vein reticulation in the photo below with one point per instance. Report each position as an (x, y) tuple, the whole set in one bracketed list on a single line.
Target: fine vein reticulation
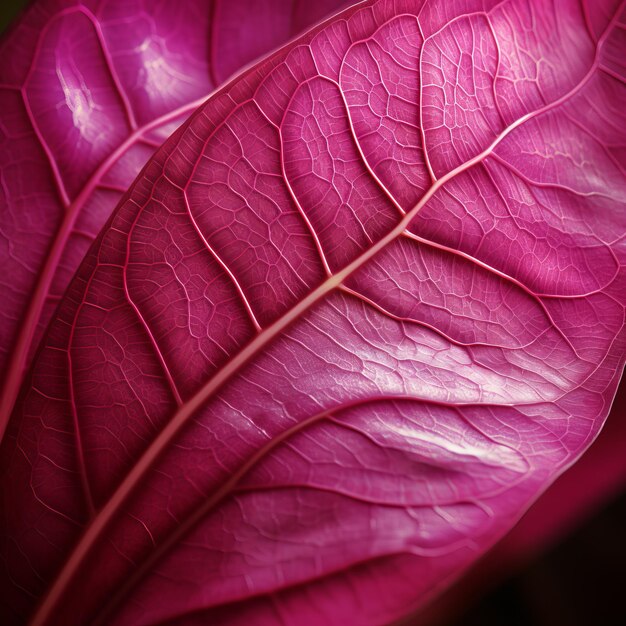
[(347, 324), (90, 92)]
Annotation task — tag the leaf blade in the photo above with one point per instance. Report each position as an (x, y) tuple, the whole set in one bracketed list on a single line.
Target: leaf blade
[(502, 405), (89, 96)]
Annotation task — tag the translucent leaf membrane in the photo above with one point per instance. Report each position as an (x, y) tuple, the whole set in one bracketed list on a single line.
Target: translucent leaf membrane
[(348, 323), (88, 90)]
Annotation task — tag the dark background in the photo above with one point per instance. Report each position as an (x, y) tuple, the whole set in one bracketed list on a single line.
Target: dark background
[(580, 581), (8, 10)]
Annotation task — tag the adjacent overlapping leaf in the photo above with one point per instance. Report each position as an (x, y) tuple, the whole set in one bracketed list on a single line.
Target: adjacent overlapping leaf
[(348, 323), (88, 90)]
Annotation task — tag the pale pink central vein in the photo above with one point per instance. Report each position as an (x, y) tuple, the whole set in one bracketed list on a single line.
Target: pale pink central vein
[(260, 341)]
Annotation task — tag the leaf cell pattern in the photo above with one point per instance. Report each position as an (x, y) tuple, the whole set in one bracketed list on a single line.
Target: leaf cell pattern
[(350, 321)]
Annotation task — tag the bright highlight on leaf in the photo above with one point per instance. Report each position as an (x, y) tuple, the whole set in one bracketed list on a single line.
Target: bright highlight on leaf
[(88, 91), (349, 322)]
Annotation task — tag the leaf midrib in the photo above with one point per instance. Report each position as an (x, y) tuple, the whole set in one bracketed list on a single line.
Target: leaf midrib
[(260, 341)]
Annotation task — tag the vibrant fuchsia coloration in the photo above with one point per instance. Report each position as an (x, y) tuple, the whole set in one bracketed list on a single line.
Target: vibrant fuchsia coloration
[(596, 479), (571, 501), (349, 322), (88, 90)]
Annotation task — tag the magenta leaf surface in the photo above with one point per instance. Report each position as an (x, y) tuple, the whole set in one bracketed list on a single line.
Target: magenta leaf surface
[(351, 320), (88, 90)]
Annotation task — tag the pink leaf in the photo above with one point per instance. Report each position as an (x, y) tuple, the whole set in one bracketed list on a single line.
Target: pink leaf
[(350, 321), (88, 90)]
